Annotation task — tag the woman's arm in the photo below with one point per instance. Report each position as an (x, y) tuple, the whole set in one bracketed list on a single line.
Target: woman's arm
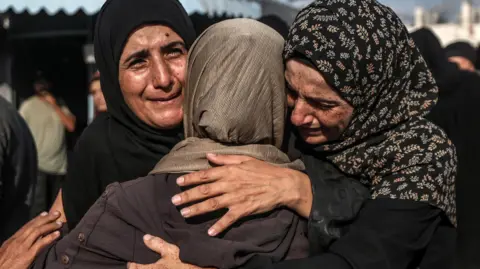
[(246, 187), (19, 251), (68, 120), (337, 199)]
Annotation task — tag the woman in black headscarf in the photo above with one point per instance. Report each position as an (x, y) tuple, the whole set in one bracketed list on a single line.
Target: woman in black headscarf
[(456, 112), (140, 48), (463, 54)]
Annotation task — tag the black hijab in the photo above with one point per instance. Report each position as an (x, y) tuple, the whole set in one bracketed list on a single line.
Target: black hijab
[(118, 146), (132, 141), (462, 49)]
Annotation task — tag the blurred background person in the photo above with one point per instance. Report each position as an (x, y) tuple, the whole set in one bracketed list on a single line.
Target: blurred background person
[(18, 170), (456, 113), (48, 119), (96, 91), (463, 54)]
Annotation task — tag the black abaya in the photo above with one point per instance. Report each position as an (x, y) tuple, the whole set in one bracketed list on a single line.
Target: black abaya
[(456, 112)]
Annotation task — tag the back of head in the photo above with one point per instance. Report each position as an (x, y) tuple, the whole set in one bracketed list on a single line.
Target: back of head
[(40, 83), (235, 91)]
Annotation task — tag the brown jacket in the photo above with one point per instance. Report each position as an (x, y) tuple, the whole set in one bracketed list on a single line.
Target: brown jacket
[(111, 233)]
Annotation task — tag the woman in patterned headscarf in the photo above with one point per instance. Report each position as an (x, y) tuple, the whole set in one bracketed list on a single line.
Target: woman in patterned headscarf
[(364, 55), (359, 90)]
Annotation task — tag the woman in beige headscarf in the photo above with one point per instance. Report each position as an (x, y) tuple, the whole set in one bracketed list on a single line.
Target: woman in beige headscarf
[(228, 109)]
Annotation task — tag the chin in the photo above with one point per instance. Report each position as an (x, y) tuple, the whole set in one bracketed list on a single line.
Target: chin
[(314, 140), (168, 118)]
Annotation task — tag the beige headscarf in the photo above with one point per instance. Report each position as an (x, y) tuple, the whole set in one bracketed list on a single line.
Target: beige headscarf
[(235, 100)]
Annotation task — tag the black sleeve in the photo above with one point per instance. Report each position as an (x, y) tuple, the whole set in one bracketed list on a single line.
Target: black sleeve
[(81, 188), (337, 199), (91, 169), (4, 133), (18, 170), (388, 234)]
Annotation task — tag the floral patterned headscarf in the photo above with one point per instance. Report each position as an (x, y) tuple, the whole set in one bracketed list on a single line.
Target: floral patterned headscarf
[(364, 51)]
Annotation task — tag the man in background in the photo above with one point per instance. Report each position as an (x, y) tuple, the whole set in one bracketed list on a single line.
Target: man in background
[(48, 119), (95, 89), (18, 170)]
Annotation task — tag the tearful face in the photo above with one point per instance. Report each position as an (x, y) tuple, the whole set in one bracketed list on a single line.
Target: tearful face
[(152, 75), (319, 112)]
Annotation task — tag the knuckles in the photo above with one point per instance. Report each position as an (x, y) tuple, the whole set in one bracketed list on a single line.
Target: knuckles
[(204, 189), (214, 203)]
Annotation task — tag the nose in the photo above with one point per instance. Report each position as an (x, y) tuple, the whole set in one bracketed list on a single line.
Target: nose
[(162, 75), (301, 113)]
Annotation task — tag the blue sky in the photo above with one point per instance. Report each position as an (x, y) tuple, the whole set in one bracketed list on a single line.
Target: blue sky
[(405, 7), (408, 5)]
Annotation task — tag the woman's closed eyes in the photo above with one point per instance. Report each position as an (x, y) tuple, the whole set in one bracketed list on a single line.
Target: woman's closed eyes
[(319, 103)]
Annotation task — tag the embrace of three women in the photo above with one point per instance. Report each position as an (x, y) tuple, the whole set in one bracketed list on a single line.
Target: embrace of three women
[(244, 150)]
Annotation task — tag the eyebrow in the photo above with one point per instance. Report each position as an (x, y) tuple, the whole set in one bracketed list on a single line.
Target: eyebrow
[(314, 98), (138, 54), (144, 52), (322, 100), (173, 44)]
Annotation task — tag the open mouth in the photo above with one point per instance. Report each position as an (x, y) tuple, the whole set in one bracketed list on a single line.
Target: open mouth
[(311, 130)]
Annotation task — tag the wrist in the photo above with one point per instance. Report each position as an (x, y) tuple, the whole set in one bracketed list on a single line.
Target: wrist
[(299, 193)]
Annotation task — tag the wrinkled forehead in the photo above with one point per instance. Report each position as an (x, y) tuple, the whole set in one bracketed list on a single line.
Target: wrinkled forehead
[(150, 37), (119, 19)]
